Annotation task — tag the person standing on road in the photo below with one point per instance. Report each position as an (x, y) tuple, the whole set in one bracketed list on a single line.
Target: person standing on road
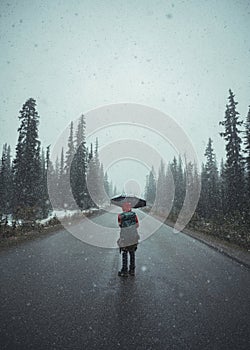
[(129, 237)]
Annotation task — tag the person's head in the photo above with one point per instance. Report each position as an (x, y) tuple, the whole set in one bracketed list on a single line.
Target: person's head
[(126, 206)]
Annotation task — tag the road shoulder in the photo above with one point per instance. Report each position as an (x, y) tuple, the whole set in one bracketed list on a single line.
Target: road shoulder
[(231, 250), (39, 232), (242, 256)]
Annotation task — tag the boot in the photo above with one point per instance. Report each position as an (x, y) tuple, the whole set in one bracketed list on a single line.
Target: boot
[(124, 270), (131, 271), (132, 263), (123, 273)]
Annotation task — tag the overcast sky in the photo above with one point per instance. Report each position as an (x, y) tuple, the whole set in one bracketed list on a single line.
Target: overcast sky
[(180, 57)]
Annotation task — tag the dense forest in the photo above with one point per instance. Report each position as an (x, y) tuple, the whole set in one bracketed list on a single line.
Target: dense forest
[(224, 203), (76, 179), (23, 180)]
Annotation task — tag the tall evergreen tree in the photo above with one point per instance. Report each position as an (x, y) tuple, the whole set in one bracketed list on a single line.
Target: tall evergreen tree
[(26, 167), (146, 187), (43, 186), (95, 178), (6, 181), (247, 152), (57, 168), (71, 149), (90, 153), (161, 190), (111, 189), (234, 168), (174, 171), (62, 164), (202, 209), (53, 177), (150, 191), (61, 183), (192, 181), (68, 198), (170, 189), (44, 203), (107, 185), (210, 184), (91, 176), (189, 175), (96, 154), (179, 186), (79, 167), (177, 174), (48, 173), (223, 189), (102, 194)]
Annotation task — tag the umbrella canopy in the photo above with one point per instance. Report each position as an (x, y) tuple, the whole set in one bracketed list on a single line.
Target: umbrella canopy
[(133, 200)]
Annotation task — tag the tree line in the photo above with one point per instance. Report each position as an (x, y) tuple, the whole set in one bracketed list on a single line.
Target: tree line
[(23, 180), (224, 204)]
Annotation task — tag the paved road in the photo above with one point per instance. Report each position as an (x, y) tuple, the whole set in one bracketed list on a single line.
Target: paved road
[(60, 293)]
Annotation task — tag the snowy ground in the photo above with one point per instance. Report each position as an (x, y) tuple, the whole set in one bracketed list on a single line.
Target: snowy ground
[(59, 214), (62, 214)]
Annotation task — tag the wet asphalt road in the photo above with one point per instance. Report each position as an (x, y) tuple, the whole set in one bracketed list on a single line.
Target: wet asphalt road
[(59, 293)]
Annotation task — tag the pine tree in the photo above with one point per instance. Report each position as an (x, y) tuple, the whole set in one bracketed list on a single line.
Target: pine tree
[(179, 187), (189, 175), (170, 189), (177, 175), (49, 173), (44, 203), (210, 185), (92, 178), (102, 194), (53, 174), (71, 149), (61, 183), (26, 167), (111, 189), (79, 167), (174, 171), (150, 191), (91, 183), (90, 153), (43, 187), (107, 185), (223, 189), (146, 187), (96, 154), (69, 202), (247, 152), (62, 162), (202, 208), (234, 168), (95, 178), (57, 168), (161, 191), (6, 181)]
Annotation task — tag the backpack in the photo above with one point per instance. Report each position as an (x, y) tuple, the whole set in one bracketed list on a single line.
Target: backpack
[(128, 234)]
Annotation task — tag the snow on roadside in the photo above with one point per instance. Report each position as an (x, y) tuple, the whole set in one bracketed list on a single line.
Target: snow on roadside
[(61, 214), (9, 219)]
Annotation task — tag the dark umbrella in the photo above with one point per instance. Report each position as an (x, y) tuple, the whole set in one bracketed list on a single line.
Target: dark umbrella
[(133, 200)]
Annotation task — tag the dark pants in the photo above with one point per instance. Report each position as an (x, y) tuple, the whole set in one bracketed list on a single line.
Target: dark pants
[(131, 250)]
